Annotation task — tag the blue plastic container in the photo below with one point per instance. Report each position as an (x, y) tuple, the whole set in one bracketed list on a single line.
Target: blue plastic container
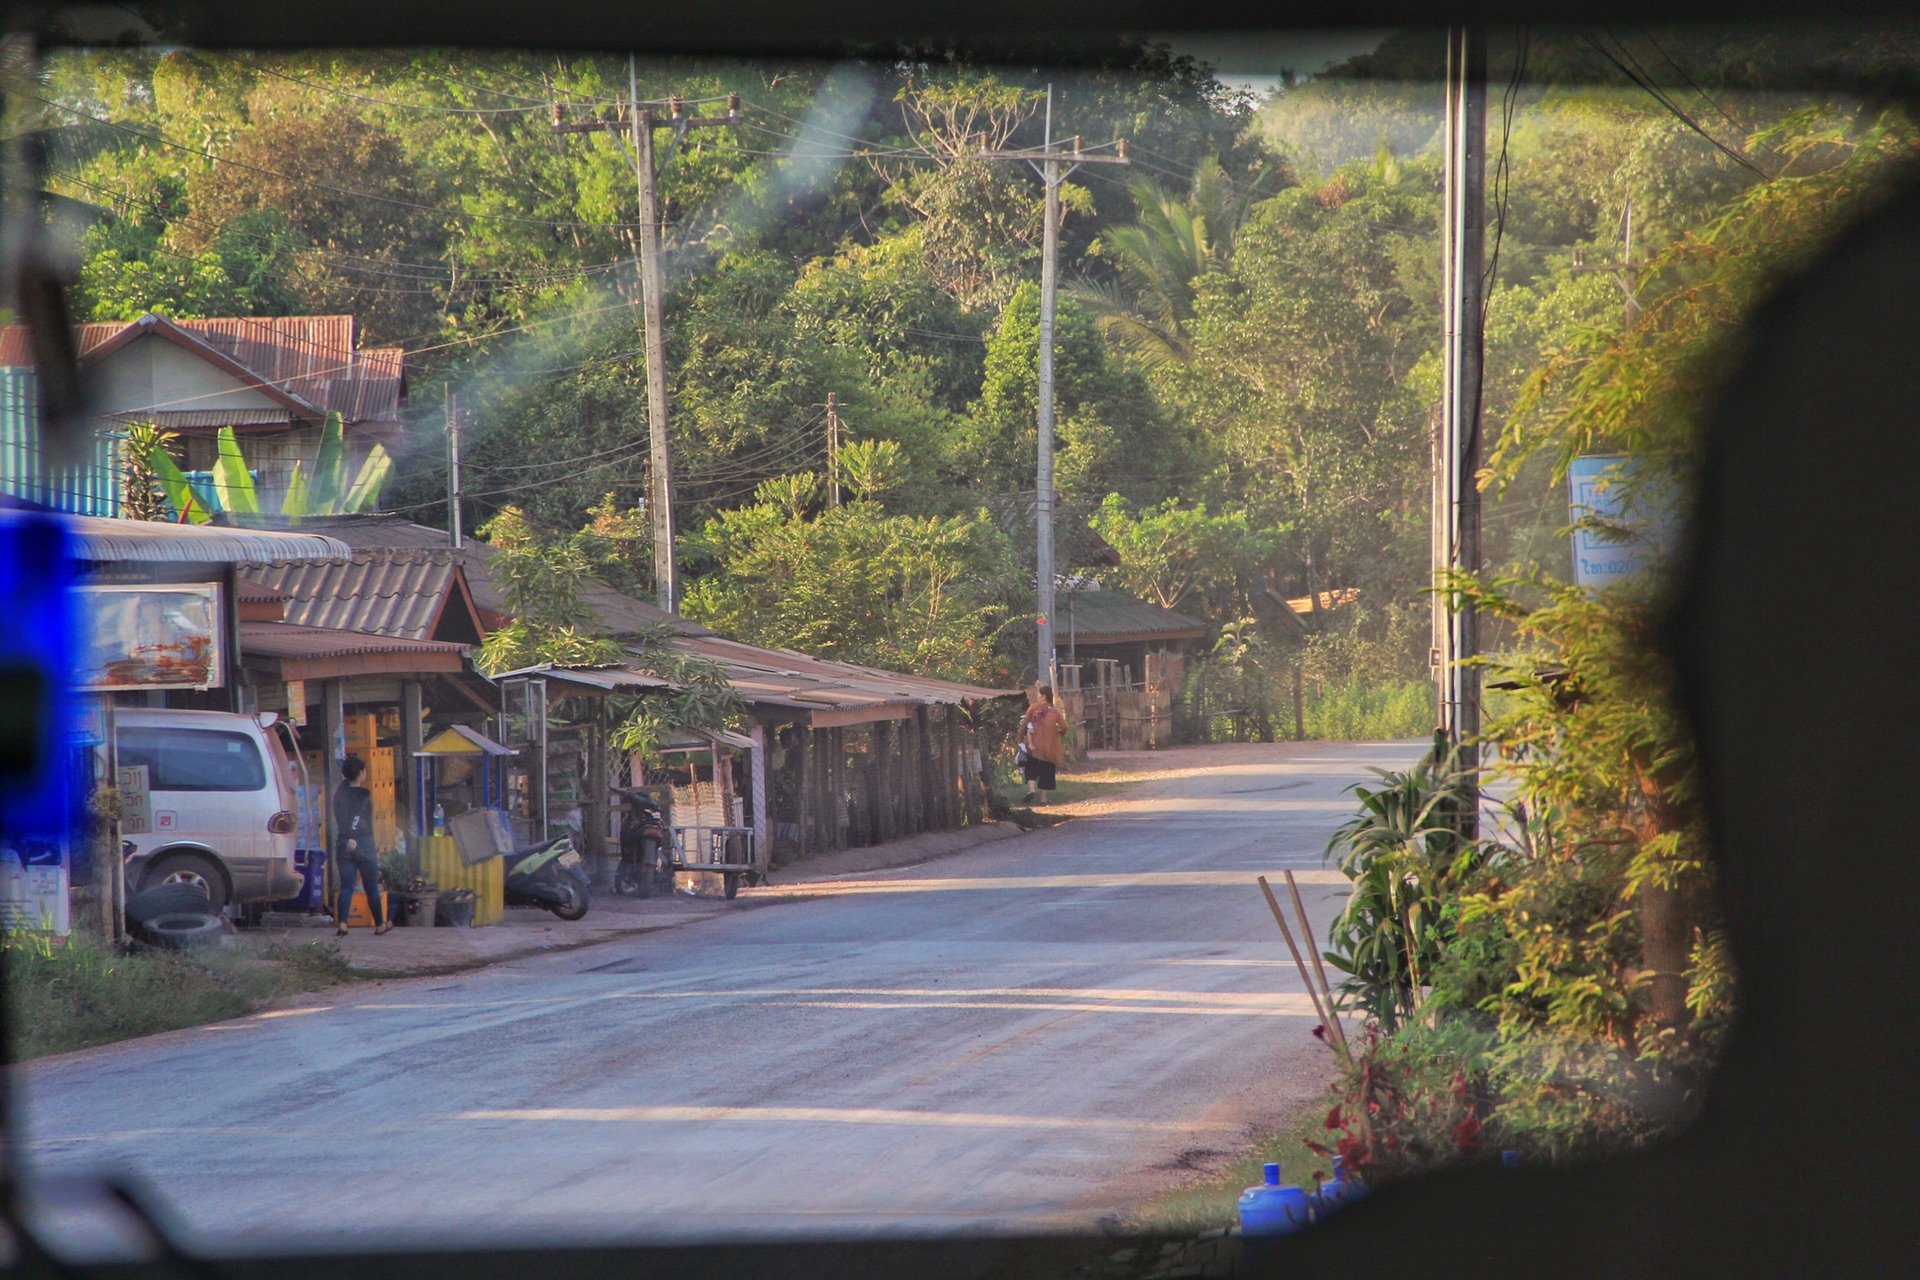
[(1338, 1191), (1272, 1210)]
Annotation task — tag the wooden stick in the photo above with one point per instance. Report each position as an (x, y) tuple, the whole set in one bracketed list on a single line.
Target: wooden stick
[(1313, 949), (1339, 1046)]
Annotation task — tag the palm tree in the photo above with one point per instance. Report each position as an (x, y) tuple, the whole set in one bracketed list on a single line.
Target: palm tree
[(1157, 259)]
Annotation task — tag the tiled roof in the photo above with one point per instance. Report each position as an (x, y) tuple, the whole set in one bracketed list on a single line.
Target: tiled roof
[(1098, 616), (310, 357), (376, 592)]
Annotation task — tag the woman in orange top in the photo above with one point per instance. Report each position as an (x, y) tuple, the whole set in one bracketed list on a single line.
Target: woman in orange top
[(1041, 733)]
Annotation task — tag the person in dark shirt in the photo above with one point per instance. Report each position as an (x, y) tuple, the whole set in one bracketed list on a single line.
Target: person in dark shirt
[(354, 851)]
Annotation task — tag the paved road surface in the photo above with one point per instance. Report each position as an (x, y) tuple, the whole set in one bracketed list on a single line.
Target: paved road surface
[(1022, 1036)]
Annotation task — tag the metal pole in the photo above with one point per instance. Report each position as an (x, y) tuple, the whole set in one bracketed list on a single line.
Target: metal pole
[(652, 290), (1043, 499), (1457, 492)]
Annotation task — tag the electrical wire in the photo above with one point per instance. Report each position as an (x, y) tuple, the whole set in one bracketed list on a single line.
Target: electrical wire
[(1673, 107)]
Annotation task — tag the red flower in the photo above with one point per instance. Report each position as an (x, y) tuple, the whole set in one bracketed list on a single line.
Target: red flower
[(1467, 1134)]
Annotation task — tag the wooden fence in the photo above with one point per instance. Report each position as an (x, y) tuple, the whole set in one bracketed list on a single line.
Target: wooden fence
[(1112, 711)]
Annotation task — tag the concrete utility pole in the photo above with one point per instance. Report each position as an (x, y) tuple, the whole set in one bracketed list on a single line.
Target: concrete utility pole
[(1456, 489), (1046, 162), (453, 466), (639, 119)]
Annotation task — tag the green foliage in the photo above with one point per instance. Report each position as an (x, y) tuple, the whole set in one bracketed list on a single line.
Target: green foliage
[(541, 580), (854, 582), (1408, 862), (1370, 712), (1181, 557), (235, 493), (142, 495)]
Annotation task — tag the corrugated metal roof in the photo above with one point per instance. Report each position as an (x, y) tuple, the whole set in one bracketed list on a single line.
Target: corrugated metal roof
[(311, 357), (111, 541), (618, 615), (208, 419), (781, 677), (602, 677), (387, 593), (291, 640), (1099, 616)]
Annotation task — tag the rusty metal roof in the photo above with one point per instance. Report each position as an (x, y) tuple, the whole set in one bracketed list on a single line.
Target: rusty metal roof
[(384, 593), (291, 640), (1098, 616), (107, 540), (309, 357), (783, 678)]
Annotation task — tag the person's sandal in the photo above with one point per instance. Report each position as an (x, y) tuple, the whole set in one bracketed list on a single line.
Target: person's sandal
[(383, 926), (340, 931)]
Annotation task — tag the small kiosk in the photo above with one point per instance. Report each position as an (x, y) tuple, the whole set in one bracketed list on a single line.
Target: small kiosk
[(458, 771)]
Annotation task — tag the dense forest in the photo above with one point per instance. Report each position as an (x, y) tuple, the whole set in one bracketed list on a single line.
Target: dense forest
[(1246, 347)]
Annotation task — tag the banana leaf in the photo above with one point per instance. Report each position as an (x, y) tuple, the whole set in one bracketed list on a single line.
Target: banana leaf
[(232, 483), (294, 505), (179, 490), (329, 469), (366, 486)]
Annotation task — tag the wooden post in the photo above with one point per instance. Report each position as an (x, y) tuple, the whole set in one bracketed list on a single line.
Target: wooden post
[(803, 798), (412, 820), (838, 739), (822, 780), (593, 818), (950, 806), (873, 785)]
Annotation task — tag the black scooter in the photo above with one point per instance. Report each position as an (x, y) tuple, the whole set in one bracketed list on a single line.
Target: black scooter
[(645, 861), (551, 875)]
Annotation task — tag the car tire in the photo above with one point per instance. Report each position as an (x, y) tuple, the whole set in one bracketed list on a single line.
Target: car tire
[(194, 869), (184, 929), (168, 900)]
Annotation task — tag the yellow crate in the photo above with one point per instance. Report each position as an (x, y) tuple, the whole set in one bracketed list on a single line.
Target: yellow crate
[(440, 864)]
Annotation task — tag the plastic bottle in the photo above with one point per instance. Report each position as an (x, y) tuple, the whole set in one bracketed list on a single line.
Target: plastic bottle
[(439, 820), (1509, 1159), (1339, 1190), (1272, 1210)]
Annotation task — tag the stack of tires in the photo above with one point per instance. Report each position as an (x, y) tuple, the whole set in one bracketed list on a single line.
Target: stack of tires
[(174, 916)]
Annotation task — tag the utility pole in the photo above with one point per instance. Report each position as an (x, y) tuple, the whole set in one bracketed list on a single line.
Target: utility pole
[(1046, 162), (1626, 272), (453, 466), (639, 119), (1456, 490), (833, 449)]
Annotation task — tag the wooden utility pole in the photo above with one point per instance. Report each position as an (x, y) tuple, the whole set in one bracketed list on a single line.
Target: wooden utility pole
[(639, 119), (1046, 162), (1457, 491), (1626, 272), (832, 407)]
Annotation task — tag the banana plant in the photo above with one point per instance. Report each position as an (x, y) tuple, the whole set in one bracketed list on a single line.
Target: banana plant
[(320, 489)]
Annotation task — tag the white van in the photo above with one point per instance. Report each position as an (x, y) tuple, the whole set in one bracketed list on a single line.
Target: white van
[(222, 805)]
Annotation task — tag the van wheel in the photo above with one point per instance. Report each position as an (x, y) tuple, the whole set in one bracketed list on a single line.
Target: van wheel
[(189, 869)]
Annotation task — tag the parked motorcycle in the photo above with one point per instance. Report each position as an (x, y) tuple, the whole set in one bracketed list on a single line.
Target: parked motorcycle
[(551, 875), (644, 848)]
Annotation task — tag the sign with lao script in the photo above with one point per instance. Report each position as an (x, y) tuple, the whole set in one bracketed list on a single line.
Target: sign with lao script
[(1619, 528)]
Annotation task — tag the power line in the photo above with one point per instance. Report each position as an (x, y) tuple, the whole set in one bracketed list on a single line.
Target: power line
[(1654, 91)]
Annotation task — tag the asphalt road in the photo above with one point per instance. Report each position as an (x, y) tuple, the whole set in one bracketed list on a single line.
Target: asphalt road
[(1027, 1035)]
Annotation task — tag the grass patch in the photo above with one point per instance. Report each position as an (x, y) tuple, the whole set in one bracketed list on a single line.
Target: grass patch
[(84, 993), (1362, 713), (1073, 787), (1212, 1199)]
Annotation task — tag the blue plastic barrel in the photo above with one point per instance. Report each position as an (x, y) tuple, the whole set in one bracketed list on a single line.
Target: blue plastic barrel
[(1273, 1210)]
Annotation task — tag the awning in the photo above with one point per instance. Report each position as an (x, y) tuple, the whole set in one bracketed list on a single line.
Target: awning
[(109, 541), (599, 679)]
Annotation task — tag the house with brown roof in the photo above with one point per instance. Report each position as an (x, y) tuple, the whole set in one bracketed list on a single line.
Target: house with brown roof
[(273, 379)]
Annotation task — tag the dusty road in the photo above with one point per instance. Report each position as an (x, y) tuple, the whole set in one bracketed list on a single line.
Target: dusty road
[(1026, 1035)]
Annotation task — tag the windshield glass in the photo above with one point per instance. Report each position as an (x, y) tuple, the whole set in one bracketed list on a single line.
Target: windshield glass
[(1083, 623)]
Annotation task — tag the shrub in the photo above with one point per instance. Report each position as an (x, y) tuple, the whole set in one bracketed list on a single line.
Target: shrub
[(1362, 712)]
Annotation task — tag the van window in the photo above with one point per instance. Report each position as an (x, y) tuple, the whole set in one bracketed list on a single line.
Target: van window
[(194, 759)]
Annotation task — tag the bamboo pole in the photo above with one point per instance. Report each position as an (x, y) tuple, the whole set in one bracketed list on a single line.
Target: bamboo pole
[(1338, 1045), (1313, 949)]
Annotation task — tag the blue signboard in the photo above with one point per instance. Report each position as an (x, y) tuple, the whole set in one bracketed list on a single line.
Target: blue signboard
[(1618, 528)]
